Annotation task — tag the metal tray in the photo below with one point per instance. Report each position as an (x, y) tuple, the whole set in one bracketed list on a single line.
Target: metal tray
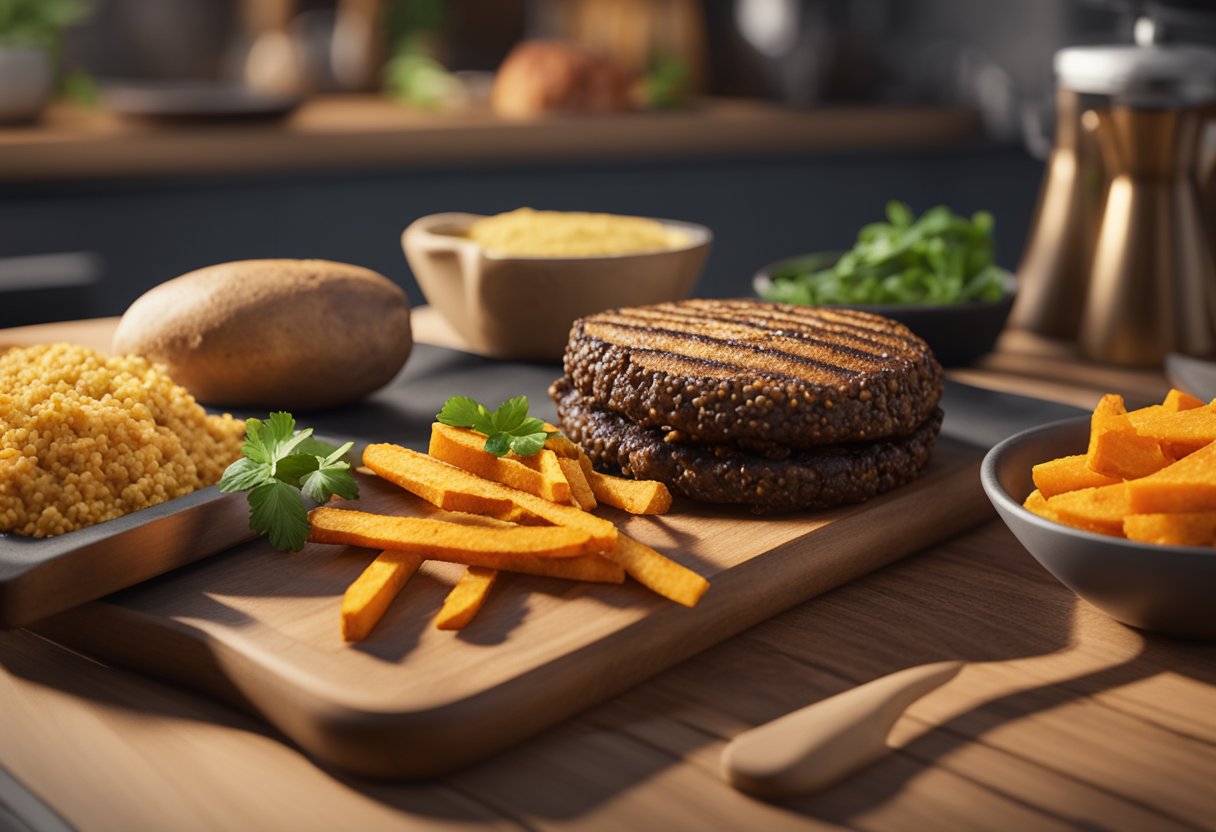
[(43, 576)]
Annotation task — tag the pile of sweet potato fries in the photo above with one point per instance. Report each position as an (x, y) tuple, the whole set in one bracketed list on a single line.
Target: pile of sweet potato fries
[(511, 513)]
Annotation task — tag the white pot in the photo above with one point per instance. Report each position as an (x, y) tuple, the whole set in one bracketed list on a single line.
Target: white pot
[(26, 83)]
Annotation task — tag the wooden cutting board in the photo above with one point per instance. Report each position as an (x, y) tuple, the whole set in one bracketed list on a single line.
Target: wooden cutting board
[(260, 627)]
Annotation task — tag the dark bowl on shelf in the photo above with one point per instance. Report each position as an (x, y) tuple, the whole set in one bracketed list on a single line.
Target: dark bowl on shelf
[(1165, 589), (958, 333)]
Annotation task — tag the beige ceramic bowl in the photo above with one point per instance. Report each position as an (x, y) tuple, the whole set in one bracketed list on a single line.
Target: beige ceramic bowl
[(508, 306)]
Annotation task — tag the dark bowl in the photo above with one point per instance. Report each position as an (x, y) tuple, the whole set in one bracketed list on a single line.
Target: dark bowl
[(1166, 589), (958, 333)]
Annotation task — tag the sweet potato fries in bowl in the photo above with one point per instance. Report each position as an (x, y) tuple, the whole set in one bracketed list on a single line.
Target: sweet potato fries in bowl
[(1121, 508)]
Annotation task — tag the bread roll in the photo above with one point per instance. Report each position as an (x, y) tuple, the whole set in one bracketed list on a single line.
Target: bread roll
[(278, 334)]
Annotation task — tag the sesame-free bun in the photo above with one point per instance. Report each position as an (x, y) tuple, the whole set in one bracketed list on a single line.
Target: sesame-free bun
[(278, 334)]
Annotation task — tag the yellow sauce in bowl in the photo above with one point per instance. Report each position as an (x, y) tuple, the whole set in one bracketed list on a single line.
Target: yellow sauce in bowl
[(528, 233)]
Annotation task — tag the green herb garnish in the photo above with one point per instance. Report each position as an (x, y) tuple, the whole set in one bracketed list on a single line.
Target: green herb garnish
[(279, 464), (939, 258), (509, 428)]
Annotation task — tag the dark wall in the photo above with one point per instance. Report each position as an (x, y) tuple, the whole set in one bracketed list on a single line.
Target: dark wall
[(760, 209)]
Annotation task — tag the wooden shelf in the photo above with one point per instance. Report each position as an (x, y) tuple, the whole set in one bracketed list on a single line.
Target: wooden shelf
[(351, 132)]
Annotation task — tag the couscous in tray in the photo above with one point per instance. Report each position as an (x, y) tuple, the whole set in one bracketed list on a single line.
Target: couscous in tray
[(107, 473)]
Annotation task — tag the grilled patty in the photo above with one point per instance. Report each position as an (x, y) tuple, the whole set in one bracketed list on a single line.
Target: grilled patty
[(765, 377), (825, 476)]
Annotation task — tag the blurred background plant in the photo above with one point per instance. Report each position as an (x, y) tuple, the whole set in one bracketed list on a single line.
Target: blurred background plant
[(37, 22), (413, 75), (31, 57)]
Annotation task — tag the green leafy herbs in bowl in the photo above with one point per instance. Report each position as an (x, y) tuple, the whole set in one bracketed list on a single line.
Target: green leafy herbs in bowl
[(935, 274), (935, 259)]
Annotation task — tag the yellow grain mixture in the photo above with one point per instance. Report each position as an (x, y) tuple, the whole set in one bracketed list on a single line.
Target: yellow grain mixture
[(86, 438), (528, 233)]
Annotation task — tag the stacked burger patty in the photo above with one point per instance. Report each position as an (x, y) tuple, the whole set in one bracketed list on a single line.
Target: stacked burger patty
[(765, 405)]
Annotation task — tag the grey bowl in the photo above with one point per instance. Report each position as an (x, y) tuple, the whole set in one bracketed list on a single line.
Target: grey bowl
[(1165, 589), (958, 333)]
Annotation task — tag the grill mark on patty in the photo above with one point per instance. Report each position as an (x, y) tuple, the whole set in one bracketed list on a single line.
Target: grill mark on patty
[(673, 340), (828, 322), (872, 357), (852, 321)]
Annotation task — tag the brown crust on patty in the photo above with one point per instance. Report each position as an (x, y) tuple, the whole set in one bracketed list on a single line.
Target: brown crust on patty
[(755, 374), (810, 479)]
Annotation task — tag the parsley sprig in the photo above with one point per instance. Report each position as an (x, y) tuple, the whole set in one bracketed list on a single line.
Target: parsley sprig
[(277, 465), (509, 428)]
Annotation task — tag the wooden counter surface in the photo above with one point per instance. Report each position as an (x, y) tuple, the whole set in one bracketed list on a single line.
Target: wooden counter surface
[(353, 132), (1063, 718)]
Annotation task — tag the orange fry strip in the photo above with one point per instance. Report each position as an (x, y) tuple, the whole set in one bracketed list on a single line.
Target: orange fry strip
[(580, 490), (1098, 510), (1036, 503), (1187, 529), (538, 474), (1187, 430), (560, 444), (440, 540), (633, 496), (455, 489), (1068, 473), (367, 599), (466, 598), (1189, 485), (659, 573), (1115, 448), (1176, 400)]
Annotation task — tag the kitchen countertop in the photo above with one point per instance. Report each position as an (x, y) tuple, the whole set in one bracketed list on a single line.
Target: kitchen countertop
[(1062, 719), (354, 131)]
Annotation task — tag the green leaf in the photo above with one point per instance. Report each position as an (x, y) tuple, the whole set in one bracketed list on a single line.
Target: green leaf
[(291, 469), (338, 453), (464, 412), (899, 214), (280, 436), (511, 414), (275, 510), (316, 447), (254, 448), (528, 444), (325, 482), (243, 475), (498, 444), (530, 425)]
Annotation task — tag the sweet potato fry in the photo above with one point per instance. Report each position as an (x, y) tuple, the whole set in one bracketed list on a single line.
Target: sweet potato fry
[(466, 598), (1189, 485), (442, 540), (1183, 431), (538, 474), (1115, 448), (455, 489), (365, 601), (560, 444), (1036, 503), (661, 574), (1185, 529), (1068, 473), (580, 490), (633, 496), (1098, 510), (1176, 400)]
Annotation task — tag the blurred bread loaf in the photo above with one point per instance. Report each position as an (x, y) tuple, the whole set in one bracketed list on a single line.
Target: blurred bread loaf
[(540, 77)]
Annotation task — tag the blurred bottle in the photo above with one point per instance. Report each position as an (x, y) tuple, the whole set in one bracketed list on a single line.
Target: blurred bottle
[(1152, 288), (1055, 266)]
